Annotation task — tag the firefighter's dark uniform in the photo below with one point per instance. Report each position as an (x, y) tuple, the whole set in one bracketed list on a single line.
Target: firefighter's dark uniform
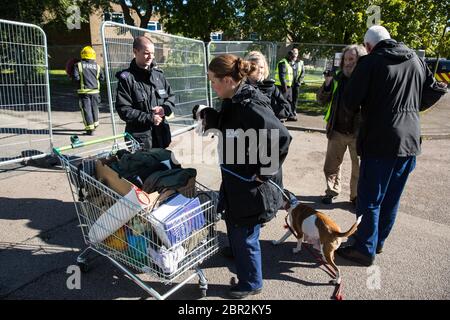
[(139, 90), (89, 74)]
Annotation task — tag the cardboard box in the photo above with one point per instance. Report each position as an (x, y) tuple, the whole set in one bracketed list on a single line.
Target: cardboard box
[(121, 212), (111, 179)]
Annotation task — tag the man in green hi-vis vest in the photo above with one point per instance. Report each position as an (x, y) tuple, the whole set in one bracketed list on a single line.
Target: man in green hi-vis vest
[(284, 79), (342, 127)]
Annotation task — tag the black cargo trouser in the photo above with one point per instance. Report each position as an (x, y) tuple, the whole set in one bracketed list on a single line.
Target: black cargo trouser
[(287, 95), (89, 110), (295, 94)]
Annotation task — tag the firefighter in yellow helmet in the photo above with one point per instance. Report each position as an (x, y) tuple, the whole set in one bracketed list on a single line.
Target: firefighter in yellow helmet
[(88, 73)]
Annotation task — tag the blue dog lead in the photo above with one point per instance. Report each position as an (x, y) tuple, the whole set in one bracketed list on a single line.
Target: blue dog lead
[(293, 200)]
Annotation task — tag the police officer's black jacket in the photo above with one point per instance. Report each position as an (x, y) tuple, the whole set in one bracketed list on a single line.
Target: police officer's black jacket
[(280, 106), (388, 85), (249, 203), (138, 91)]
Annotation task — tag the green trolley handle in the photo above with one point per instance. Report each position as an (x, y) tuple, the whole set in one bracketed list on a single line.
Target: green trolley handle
[(76, 143)]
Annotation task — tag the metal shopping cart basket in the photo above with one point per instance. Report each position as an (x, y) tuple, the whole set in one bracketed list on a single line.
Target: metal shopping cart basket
[(126, 228)]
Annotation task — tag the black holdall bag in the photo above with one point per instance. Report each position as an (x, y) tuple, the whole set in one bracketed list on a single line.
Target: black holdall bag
[(161, 135)]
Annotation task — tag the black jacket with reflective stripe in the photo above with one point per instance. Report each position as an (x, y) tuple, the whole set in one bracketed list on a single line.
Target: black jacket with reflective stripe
[(90, 75)]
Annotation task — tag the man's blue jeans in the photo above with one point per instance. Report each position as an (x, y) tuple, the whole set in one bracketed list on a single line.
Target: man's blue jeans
[(244, 242), (380, 185)]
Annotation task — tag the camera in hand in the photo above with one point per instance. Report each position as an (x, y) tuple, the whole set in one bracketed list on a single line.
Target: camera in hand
[(329, 73)]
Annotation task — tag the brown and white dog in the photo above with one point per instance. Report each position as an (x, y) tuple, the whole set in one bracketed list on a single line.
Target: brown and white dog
[(316, 228)]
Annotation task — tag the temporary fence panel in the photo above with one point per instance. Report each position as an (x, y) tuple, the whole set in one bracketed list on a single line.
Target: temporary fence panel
[(241, 49), (25, 119), (67, 117), (183, 61)]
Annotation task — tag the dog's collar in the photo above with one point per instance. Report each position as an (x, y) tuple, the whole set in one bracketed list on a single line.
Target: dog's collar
[(294, 202)]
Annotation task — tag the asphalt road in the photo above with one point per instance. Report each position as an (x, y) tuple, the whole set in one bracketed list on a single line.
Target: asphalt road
[(39, 237)]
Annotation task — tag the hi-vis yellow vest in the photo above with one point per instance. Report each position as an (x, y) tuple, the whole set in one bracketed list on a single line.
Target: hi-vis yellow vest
[(84, 90), (328, 108), (289, 75)]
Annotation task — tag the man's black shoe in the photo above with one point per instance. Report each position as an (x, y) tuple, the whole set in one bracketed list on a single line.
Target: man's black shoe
[(238, 294), (89, 132), (379, 249), (227, 252), (292, 118), (328, 199), (350, 253)]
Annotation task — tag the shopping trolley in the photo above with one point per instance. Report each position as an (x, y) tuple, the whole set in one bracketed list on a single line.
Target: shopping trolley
[(127, 229)]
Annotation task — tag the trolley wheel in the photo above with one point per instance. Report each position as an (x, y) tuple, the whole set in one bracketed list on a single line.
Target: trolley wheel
[(203, 293), (84, 267)]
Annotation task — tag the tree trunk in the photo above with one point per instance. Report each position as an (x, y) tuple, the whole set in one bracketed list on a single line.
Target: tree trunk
[(147, 16), (126, 14)]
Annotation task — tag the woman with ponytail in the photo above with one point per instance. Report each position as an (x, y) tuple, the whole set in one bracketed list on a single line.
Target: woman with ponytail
[(247, 197)]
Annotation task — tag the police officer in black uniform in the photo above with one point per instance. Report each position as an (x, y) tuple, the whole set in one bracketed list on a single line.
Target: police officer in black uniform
[(144, 98)]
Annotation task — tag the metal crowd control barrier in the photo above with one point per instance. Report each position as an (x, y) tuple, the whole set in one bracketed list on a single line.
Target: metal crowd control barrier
[(25, 119), (183, 61), (241, 49)]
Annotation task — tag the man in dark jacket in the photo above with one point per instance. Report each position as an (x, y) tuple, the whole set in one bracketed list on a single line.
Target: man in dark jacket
[(144, 98), (284, 79), (342, 126), (388, 85), (298, 68)]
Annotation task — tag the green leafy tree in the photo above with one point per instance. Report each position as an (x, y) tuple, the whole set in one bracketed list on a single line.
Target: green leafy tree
[(420, 23), (143, 8), (198, 18), (46, 11)]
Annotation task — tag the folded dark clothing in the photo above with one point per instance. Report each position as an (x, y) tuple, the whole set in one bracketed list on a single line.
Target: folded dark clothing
[(144, 163), (169, 179)]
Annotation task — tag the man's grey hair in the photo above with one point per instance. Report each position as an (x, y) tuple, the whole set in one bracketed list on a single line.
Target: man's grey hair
[(359, 49), (376, 34)]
